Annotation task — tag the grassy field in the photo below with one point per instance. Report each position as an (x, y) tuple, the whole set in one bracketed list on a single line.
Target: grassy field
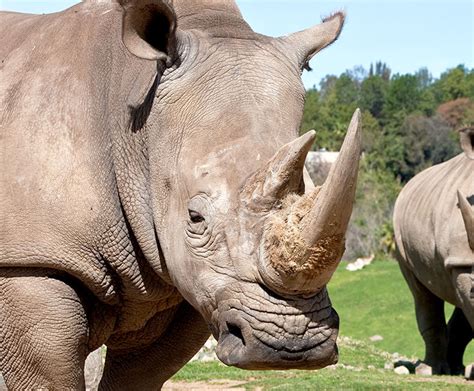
[(373, 301), (376, 301), (361, 366)]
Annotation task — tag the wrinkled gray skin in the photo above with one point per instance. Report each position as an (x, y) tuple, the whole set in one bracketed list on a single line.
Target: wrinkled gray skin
[(434, 234), (152, 190)]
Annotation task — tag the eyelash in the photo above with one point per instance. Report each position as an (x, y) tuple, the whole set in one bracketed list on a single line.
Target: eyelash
[(195, 217)]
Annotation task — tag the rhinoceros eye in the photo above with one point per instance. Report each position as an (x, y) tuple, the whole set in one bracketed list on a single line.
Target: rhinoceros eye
[(195, 217)]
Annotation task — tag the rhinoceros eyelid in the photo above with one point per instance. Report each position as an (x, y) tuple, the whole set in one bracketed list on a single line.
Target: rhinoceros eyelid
[(195, 217)]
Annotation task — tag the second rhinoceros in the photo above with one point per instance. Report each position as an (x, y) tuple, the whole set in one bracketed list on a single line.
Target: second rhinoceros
[(152, 189), (434, 234)]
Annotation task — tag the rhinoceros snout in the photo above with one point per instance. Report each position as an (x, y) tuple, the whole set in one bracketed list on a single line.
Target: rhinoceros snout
[(257, 331), (241, 347)]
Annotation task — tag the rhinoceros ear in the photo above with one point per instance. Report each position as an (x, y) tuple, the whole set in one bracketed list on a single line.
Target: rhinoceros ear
[(149, 29), (466, 136), (310, 41)]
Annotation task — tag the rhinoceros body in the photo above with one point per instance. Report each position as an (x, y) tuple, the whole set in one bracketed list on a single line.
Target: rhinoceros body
[(152, 191), (434, 233)]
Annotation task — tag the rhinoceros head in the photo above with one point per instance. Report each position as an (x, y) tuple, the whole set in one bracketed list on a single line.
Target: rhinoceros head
[(247, 239)]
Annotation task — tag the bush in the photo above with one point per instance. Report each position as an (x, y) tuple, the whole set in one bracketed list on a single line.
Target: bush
[(370, 229)]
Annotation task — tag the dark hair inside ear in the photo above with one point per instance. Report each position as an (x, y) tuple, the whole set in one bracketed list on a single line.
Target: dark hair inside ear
[(149, 28), (467, 140), (157, 31)]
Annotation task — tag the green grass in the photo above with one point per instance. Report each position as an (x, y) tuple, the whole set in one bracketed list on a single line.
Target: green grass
[(361, 367), (376, 301), (372, 301)]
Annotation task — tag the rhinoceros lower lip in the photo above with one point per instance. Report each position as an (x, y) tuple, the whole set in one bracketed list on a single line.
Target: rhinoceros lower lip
[(235, 350), (295, 350), (245, 343)]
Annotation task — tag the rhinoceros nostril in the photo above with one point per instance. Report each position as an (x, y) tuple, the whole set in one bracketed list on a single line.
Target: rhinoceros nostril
[(235, 331)]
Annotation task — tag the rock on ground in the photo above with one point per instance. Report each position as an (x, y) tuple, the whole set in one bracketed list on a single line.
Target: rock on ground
[(423, 369), (93, 370), (469, 372), (207, 352), (376, 338), (401, 370)]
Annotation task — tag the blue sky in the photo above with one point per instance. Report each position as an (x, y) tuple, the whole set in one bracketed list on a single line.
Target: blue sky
[(407, 35)]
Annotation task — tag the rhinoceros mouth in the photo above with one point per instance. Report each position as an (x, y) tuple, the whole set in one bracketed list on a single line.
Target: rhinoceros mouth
[(260, 331)]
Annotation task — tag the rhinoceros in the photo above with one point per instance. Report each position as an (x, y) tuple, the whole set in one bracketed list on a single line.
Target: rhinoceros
[(434, 235), (153, 192)]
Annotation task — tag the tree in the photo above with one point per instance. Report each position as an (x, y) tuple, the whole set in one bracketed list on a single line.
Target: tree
[(403, 95), (373, 95), (381, 69), (426, 141), (454, 84), (424, 77), (457, 112)]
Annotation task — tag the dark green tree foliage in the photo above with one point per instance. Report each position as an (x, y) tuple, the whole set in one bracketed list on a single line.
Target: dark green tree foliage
[(426, 141), (405, 95), (395, 108), (329, 110), (373, 95), (409, 124), (381, 69)]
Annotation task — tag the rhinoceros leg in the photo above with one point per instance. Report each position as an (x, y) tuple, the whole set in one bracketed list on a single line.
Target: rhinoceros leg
[(148, 368), (463, 281), (459, 335), (431, 323), (43, 332)]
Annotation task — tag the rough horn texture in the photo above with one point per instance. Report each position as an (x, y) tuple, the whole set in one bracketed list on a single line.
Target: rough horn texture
[(304, 242)]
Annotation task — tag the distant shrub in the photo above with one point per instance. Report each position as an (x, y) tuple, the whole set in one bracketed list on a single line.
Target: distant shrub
[(370, 229)]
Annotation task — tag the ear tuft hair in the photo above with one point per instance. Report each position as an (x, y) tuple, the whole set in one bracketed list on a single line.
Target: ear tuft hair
[(341, 15), (336, 14), (307, 43)]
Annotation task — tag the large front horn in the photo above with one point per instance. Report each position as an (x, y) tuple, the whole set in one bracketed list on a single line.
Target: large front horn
[(304, 243), (333, 207)]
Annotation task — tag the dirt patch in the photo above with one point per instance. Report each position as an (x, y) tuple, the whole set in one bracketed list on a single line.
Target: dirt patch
[(217, 385)]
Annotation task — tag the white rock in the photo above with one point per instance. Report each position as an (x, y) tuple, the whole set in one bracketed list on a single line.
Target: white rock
[(376, 338), (423, 370), (469, 372), (93, 369), (207, 352), (401, 370), (3, 387), (388, 365), (360, 263)]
